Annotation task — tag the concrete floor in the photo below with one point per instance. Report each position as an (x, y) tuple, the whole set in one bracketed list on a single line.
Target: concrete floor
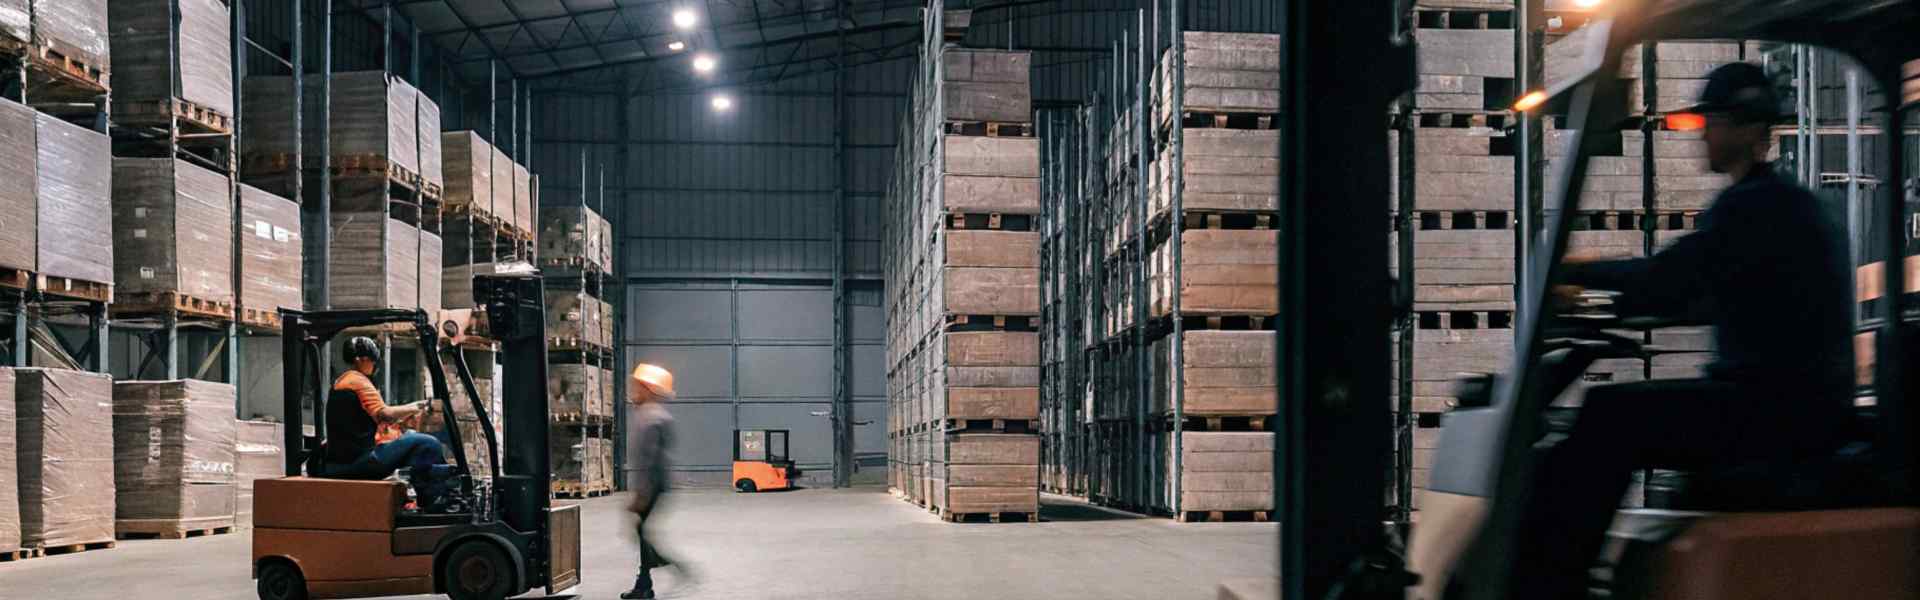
[(858, 544)]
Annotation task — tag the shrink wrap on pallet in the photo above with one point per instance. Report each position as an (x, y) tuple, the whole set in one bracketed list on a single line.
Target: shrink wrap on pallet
[(75, 191), (19, 221), (468, 172), (432, 161), (146, 58), (376, 261), (373, 119), (501, 177), (173, 229), (76, 28), (524, 188), (64, 422), (430, 277), (9, 467), (270, 251), (173, 447), (257, 456), (16, 20)]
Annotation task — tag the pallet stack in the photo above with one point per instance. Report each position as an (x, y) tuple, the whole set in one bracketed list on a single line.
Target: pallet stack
[(53, 183), (64, 424), (1212, 272), (256, 455), (174, 458), (271, 254), (10, 548), (173, 64), (65, 46), (964, 348), (575, 252)]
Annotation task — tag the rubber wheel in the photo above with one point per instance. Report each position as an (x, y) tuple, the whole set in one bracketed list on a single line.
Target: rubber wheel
[(745, 485), (477, 570), (280, 580)]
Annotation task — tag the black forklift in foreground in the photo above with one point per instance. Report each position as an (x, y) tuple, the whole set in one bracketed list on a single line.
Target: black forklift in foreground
[(336, 538), (1858, 539)]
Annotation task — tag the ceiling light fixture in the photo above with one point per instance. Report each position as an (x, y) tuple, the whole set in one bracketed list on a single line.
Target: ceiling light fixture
[(676, 45), (721, 103), (704, 63), (684, 19)]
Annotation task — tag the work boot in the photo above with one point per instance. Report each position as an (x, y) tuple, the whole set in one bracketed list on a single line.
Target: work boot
[(432, 488), (642, 588)]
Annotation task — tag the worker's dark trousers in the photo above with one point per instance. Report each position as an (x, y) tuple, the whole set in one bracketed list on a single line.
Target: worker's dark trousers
[(1692, 424), (650, 556)]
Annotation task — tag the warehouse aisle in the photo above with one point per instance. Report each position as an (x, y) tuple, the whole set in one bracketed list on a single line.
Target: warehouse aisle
[(859, 544)]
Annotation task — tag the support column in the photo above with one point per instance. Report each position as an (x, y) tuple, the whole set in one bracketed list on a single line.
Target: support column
[(843, 464)]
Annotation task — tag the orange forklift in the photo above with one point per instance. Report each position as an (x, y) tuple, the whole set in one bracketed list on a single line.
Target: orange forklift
[(334, 538), (760, 461)]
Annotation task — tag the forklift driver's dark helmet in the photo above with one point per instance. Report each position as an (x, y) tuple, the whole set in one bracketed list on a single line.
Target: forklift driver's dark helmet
[(360, 347), (1740, 90)]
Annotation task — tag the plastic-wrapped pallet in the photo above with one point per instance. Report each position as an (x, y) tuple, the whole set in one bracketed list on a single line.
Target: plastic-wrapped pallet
[(173, 227), (257, 456), (173, 446), (523, 199), (74, 199), (149, 52), (432, 159), (501, 178), (468, 173), (375, 262), (270, 251), (373, 120), (65, 429), (429, 277), (76, 28), (9, 468), (16, 21), (18, 206)]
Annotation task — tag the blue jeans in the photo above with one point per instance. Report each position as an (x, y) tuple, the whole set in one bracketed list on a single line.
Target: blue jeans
[(412, 449)]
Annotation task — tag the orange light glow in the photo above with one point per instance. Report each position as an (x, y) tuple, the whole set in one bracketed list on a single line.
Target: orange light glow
[(1686, 121), (1529, 101)]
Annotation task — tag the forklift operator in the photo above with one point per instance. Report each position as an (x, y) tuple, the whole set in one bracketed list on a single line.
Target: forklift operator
[(364, 438), (1769, 270)]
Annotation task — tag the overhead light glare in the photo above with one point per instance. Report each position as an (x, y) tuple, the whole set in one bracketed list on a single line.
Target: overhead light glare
[(1587, 3), (704, 63), (684, 19), (676, 46), (721, 103)]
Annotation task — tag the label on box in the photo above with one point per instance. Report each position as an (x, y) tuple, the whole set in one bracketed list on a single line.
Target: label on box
[(263, 229), (140, 212), (139, 234), (280, 234), (146, 272)]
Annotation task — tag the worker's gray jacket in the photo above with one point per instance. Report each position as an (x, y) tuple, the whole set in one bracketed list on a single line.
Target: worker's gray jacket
[(649, 435)]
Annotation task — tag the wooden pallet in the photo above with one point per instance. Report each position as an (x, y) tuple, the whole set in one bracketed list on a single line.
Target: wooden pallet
[(260, 319), (575, 418), (78, 289), (1464, 319), (1243, 423), (19, 279), (1203, 119), (991, 323), (1427, 220), (993, 425), (20, 554), (62, 70), (989, 129), (1462, 18), (1228, 322), (1464, 119), (573, 344), (194, 118), (171, 529), (72, 548), (581, 493), (1199, 219), (993, 517), (375, 165), (989, 221), (1222, 516), (174, 302)]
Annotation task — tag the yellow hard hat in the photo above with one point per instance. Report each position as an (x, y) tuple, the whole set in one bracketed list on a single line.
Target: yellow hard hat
[(654, 379)]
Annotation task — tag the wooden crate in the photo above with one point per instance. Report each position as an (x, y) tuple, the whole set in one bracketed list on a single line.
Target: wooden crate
[(985, 473), (989, 376), (1226, 73), (1225, 373), (1222, 272), (990, 175), (987, 85), (1222, 471), (1225, 170)]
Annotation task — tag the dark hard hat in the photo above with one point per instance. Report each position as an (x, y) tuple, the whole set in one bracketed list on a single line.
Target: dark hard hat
[(360, 347), (1741, 90)]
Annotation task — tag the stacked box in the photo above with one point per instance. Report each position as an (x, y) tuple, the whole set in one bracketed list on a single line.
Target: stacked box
[(267, 151), (988, 375), (523, 200), (270, 251), (570, 236), (374, 122), (257, 456), (174, 456), (987, 85), (75, 28), (432, 161), (575, 392), (9, 465), (1223, 471), (500, 176), (607, 337), (163, 55), (65, 443), (456, 284), (1226, 73), (1225, 170), (173, 229), (606, 241), (430, 273), (571, 318), (1465, 69), (1222, 272), (1225, 373), (976, 473), (19, 221), (377, 262), (468, 173), (74, 199)]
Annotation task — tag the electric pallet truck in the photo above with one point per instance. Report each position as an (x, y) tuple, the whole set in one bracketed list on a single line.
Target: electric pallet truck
[(333, 538), (760, 461)]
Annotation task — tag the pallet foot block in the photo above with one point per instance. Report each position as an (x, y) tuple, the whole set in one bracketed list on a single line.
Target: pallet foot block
[(65, 429), (173, 444)]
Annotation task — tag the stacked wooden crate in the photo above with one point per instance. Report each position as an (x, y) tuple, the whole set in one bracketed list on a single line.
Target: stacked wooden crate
[(174, 458), (965, 356), (257, 455), (1223, 287), (64, 423), (573, 260)]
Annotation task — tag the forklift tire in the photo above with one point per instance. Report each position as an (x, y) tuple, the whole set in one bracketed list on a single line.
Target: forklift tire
[(280, 580), (477, 570), (745, 485)]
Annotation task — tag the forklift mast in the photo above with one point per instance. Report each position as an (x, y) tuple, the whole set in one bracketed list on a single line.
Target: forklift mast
[(517, 318)]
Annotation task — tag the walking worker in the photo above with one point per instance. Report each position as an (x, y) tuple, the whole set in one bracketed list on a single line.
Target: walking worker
[(649, 435)]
